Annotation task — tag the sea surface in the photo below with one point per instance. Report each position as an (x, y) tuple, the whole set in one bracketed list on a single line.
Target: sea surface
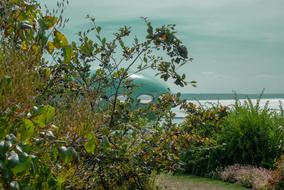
[(274, 101)]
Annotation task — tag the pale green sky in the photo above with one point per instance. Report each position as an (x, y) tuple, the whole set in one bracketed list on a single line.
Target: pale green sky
[(236, 44)]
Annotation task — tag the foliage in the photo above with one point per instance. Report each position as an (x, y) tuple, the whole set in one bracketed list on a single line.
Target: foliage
[(251, 136), (45, 82), (27, 147), (122, 157), (242, 134), (277, 181), (202, 124)]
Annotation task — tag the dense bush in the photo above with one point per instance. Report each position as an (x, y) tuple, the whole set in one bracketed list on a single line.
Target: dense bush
[(204, 121), (202, 124), (251, 136), (243, 134), (55, 131)]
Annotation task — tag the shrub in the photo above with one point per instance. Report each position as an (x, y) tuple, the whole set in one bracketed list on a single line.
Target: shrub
[(29, 148), (248, 176), (92, 146), (243, 134), (251, 136), (202, 124), (202, 120), (277, 181)]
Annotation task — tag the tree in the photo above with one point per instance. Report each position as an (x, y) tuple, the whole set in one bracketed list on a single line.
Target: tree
[(108, 146)]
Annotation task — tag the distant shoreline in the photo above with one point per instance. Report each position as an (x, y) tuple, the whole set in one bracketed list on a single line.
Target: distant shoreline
[(273, 104), (229, 96)]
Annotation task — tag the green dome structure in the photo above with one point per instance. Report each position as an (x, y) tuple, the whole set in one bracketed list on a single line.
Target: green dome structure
[(146, 90)]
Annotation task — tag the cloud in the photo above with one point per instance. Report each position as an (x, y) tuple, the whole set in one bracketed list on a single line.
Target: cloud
[(263, 76), (208, 73), (253, 20), (241, 36), (212, 75)]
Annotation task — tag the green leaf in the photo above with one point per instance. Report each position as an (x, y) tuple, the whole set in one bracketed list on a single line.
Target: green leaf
[(87, 48), (22, 166), (67, 154), (27, 130), (68, 52), (46, 113), (91, 144), (145, 59), (98, 29), (61, 178), (103, 41)]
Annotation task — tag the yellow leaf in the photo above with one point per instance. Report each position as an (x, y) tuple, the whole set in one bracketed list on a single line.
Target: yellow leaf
[(50, 21), (24, 45), (59, 40), (47, 72), (35, 48), (50, 47), (131, 180)]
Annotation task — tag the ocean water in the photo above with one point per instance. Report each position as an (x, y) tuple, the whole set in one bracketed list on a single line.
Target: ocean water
[(230, 96), (274, 101)]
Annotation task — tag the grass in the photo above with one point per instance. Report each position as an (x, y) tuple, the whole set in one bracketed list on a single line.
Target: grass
[(179, 182)]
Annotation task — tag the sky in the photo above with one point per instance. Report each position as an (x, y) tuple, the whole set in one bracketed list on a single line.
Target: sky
[(237, 45)]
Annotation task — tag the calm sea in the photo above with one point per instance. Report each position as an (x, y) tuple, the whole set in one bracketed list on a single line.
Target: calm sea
[(230, 96)]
